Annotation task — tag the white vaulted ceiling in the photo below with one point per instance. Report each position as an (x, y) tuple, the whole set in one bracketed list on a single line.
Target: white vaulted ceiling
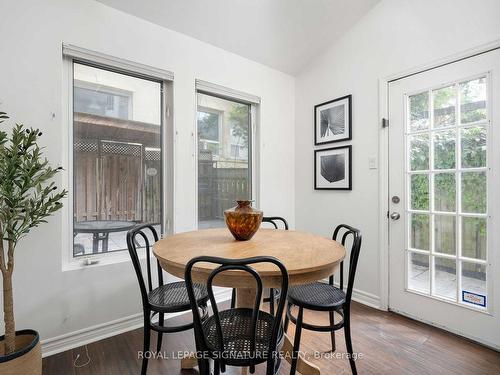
[(282, 34)]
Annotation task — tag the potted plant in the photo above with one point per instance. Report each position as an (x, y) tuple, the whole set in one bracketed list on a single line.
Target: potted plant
[(28, 195)]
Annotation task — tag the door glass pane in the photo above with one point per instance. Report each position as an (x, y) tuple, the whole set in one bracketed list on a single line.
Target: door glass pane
[(444, 192), (419, 185), (473, 100), (224, 173), (444, 100), (474, 192), (474, 237), (446, 189), (419, 152), (444, 149), (473, 142), (445, 278), (445, 234), (474, 281), (418, 273), (419, 231), (117, 153), (419, 111)]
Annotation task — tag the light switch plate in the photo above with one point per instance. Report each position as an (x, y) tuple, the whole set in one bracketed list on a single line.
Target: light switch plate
[(372, 162)]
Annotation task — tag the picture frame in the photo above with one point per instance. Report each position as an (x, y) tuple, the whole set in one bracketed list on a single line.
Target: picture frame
[(333, 168), (333, 121)]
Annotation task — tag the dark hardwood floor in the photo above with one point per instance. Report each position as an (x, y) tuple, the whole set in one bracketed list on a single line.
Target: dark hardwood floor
[(389, 344)]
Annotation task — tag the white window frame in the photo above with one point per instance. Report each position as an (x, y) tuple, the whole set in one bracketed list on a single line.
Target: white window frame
[(254, 102), (73, 54)]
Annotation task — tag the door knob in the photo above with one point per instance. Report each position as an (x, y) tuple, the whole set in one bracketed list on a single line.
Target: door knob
[(395, 216)]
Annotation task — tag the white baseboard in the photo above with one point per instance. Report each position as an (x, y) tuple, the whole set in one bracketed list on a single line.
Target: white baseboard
[(366, 298), (98, 332), (363, 297)]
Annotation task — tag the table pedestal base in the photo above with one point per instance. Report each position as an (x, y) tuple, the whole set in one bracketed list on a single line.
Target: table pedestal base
[(189, 362)]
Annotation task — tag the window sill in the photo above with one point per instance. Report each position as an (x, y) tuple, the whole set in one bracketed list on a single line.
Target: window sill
[(99, 261)]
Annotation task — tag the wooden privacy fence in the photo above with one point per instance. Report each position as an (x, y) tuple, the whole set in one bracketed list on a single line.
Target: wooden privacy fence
[(219, 188), (116, 181)]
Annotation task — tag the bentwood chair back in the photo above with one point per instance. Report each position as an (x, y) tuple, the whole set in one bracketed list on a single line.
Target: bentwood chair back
[(320, 296), (165, 298), (347, 231), (243, 337), (274, 220)]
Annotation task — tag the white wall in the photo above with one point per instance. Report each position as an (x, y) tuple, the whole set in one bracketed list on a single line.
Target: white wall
[(394, 36), (31, 89)]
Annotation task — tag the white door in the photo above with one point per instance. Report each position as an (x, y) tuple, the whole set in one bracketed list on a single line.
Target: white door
[(444, 164)]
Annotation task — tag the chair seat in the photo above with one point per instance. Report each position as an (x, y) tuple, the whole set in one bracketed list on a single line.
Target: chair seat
[(316, 296), (237, 335), (173, 297)]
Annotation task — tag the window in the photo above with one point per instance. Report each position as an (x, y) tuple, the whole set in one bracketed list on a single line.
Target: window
[(224, 157), (117, 157)]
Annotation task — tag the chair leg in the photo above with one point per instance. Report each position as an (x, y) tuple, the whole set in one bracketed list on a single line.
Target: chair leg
[(332, 333), (296, 342), (203, 363), (233, 299), (160, 334), (271, 301), (273, 364), (287, 319), (348, 342), (147, 339), (203, 367)]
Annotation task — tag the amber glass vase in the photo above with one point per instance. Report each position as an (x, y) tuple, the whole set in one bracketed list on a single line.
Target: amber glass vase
[(243, 220)]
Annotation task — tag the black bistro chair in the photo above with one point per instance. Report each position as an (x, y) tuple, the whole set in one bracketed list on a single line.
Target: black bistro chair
[(274, 220), (166, 298), (320, 296), (242, 337)]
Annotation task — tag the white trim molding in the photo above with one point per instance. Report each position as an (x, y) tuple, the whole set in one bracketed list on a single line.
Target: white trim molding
[(86, 55), (98, 332), (214, 89), (363, 297), (367, 299), (360, 296), (88, 335)]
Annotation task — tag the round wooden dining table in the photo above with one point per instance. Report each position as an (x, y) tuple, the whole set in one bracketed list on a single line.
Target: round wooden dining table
[(306, 256)]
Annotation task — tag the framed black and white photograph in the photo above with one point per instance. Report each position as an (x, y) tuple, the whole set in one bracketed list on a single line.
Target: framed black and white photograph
[(333, 168), (333, 121)]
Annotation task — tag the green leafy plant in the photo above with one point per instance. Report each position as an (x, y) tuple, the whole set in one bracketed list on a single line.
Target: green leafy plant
[(28, 195), (239, 119)]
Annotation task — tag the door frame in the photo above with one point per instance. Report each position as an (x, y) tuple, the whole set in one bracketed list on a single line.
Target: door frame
[(383, 148)]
